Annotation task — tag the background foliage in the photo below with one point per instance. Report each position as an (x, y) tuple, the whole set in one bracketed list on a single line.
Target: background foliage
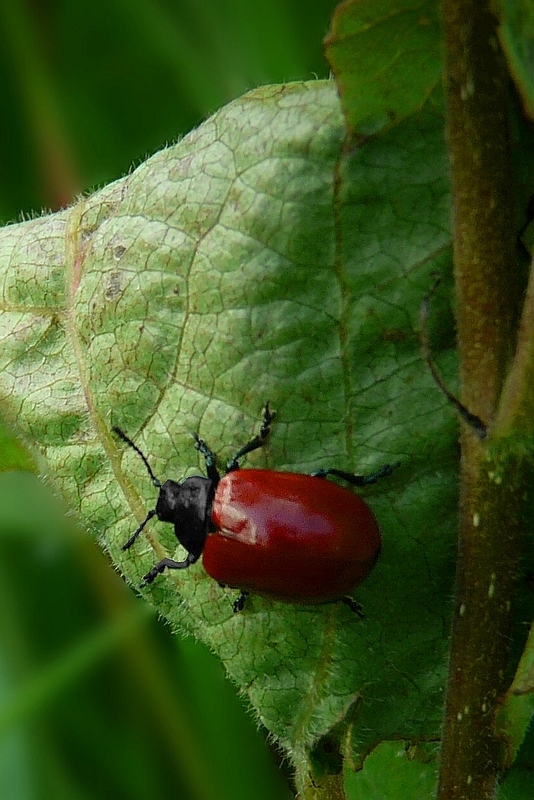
[(389, 230)]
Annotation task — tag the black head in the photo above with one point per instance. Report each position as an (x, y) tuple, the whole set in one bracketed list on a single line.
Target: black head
[(187, 505)]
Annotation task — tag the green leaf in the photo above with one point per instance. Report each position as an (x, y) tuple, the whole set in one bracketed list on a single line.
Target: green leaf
[(516, 33), (395, 771), (13, 454), (387, 59), (516, 710), (251, 261)]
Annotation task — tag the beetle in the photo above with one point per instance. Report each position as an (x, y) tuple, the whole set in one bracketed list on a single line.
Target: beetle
[(294, 537)]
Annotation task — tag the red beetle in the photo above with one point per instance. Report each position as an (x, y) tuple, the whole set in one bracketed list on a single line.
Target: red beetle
[(297, 538)]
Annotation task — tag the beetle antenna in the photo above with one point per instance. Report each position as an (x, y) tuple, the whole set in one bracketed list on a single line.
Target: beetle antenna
[(128, 441), (136, 533)]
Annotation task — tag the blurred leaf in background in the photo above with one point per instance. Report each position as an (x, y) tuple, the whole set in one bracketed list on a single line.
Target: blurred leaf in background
[(97, 699), (88, 89)]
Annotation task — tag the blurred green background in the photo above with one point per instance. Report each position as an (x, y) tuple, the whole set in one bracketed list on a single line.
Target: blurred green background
[(97, 699)]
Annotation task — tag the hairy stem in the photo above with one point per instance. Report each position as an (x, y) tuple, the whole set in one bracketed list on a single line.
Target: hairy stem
[(488, 292)]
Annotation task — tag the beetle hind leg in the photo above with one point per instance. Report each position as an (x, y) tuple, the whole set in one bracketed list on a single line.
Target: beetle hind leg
[(357, 480), (354, 606), (239, 602)]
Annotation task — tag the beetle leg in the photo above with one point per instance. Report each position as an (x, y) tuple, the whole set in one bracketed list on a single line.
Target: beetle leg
[(239, 602), (167, 563), (357, 480), (256, 442), (354, 606), (210, 458)]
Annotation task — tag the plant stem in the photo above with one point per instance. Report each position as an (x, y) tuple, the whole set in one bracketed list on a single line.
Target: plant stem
[(488, 293)]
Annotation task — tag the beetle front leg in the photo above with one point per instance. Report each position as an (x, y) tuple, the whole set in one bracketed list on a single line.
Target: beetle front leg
[(167, 563), (209, 457), (255, 443)]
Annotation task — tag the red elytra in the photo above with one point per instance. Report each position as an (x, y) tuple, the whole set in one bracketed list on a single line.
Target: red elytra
[(291, 536)]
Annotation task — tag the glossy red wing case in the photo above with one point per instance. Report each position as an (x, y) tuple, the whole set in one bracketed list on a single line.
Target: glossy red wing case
[(290, 536)]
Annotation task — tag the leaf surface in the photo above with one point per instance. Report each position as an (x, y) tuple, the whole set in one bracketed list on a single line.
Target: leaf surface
[(254, 261)]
